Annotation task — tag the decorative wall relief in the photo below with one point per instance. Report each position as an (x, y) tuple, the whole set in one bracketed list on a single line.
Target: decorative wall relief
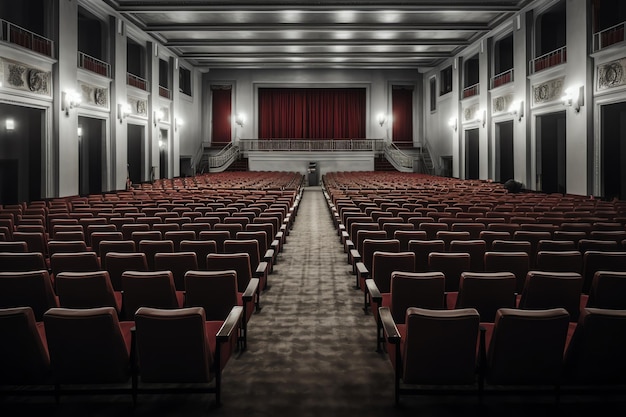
[(548, 91), (23, 77), (138, 107), (501, 104), (94, 95), (470, 113), (612, 74)]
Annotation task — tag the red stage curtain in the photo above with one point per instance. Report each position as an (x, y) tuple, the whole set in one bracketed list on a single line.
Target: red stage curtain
[(312, 113), (221, 114), (402, 117)]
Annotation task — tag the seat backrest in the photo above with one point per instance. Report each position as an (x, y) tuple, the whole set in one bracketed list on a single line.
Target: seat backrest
[(148, 289), (215, 291), (173, 345), (259, 236), (511, 246), (608, 290), (87, 345), (416, 289), (373, 245), (515, 262), (119, 262), (27, 289), (585, 245), (128, 229), (362, 235), (404, 236), (423, 248), (594, 261), (526, 346), (595, 354), (385, 263), (12, 246), (486, 292), (431, 229), (560, 261), (74, 262), (440, 346), (448, 236), (36, 241), (249, 246), (219, 236), (178, 263), (239, 262), (201, 248), (231, 228), (545, 290), (24, 355), (452, 264), (85, 290), (177, 236), (476, 249), (556, 245)]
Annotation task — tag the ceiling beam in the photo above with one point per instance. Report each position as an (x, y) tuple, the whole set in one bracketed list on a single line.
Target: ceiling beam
[(181, 43), (273, 27)]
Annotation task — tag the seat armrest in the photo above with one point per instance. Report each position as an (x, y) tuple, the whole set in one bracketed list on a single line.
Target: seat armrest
[(355, 255), (269, 255), (251, 289), (389, 326), (372, 288), (362, 271), (261, 269), (230, 324), (349, 245), (275, 244)]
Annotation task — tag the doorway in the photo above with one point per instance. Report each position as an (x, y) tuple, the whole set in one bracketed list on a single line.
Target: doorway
[(136, 151), (91, 154), (164, 145), (504, 151), (472, 161), (613, 137), (551, 142)]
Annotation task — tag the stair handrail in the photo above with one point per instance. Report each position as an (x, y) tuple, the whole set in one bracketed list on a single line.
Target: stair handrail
[(400, 160), (436, 167), (197, 158), (223, 158)]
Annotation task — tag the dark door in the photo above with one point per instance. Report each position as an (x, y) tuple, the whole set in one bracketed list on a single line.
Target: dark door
[(613, 126), (551, 139), (504, 151), (472, 161), (136, 152), (90, 155)]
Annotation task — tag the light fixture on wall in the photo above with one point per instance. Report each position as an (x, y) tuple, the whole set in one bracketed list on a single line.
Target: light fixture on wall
[(9, 125), (79, 132), (162, 144), (574, 97), (123, 110), (517, 109), (481, 117), (158, 116), (382, 118), (240, 119), (69, 100), (452, 123), (178, 122)]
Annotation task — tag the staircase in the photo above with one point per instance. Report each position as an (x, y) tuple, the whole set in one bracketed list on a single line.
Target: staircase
[(426, 162), (240, 164), (382, 164)]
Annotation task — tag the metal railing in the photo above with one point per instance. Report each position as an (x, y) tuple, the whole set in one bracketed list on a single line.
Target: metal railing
[(17, 35), (137, 82), (92, 64), (401, 161), (223, 158), (165, 92), (471, 91), (609, 36), (502, 78), (551, 59), (315, 145)]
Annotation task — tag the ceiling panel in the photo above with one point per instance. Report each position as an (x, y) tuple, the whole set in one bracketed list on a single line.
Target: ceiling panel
[(415, 34)]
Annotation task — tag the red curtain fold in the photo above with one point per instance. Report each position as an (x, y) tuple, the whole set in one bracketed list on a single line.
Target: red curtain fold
[(402, 114), (312, 113), (221, 115)]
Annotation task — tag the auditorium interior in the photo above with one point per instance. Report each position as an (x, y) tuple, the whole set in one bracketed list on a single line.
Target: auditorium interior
[(321, 208)]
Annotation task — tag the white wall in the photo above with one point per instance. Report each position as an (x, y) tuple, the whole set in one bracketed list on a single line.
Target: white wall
[(299, 161)]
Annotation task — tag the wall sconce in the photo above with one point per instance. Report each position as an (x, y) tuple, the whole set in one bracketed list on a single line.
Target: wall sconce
[(482, 117), (452, 123), (574, 97), (123, 110), (382, 119), (158, 116), (517, 109), (9, 125), (79, 132), (69, 100), (162, 144), (178, 122), (240, 119)]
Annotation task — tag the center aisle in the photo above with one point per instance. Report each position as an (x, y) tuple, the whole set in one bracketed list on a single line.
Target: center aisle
[(311, 350)]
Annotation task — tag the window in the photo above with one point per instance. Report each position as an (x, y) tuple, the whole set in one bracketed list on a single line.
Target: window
[(445, 80), (550, 30), (91, 35), (609, 20), (135, 58), (503, 54), (433, 93), (164, 74), (184, 80)]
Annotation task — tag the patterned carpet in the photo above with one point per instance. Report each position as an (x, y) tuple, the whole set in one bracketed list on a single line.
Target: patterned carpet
[(311, 352)]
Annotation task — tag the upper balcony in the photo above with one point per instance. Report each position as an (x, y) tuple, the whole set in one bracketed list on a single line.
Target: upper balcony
[(165, 92), (92, 64), (137, 82), (607, 37), (471, 91), (501, 79), (551, 59), (26, 39)]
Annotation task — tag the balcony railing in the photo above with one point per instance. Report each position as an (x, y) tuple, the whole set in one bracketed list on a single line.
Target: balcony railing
[(312, 145), (471, 91), (165, 92), (551, 59), (137, 82), (608, 37), (502, 78), (25, 38), (92, 64)]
